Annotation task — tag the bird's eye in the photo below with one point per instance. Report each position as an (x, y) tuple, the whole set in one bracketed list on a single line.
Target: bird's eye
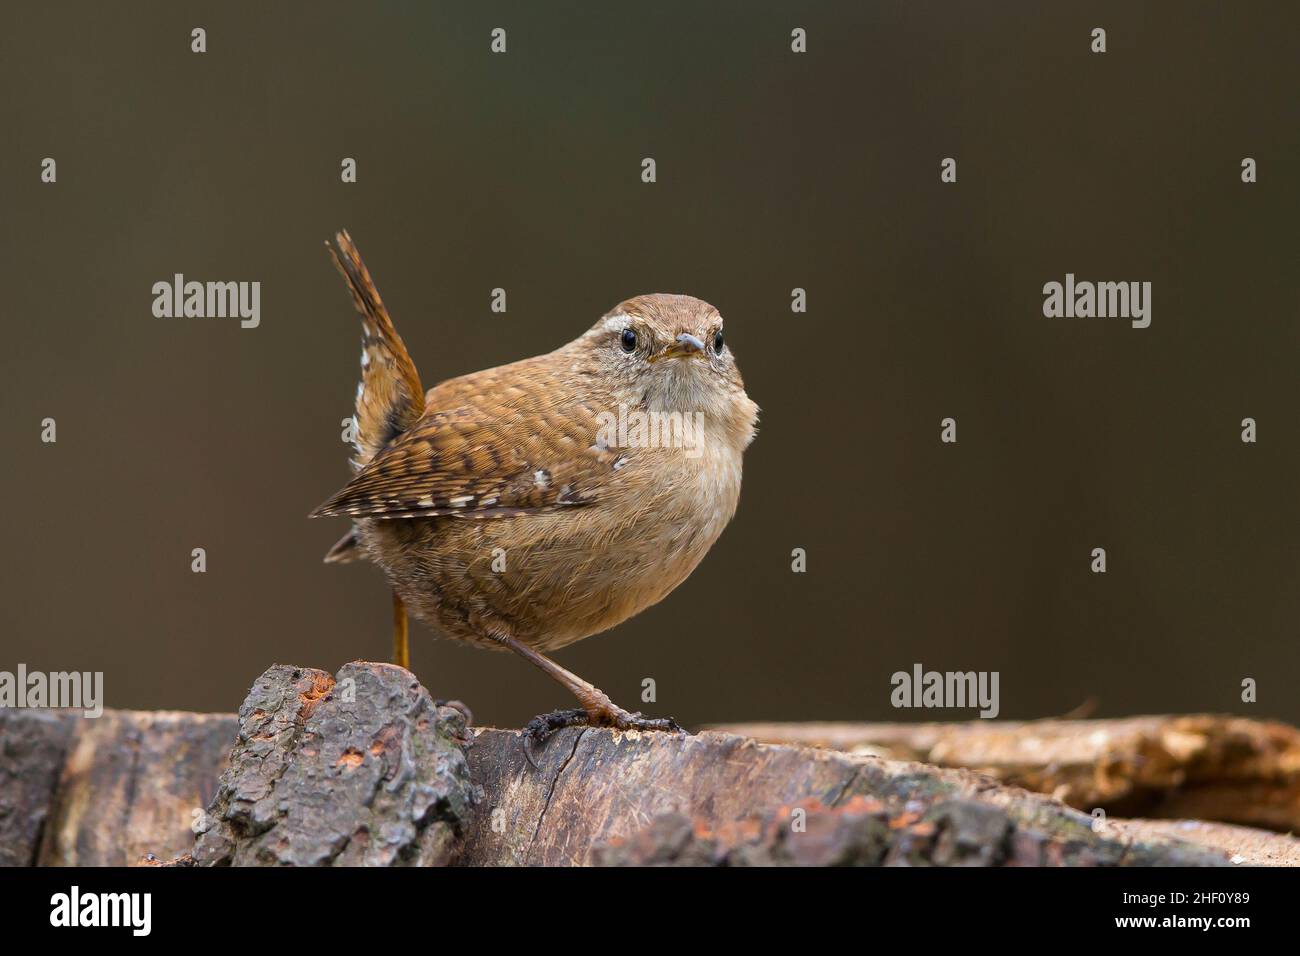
[(628, 340), (717, 341)]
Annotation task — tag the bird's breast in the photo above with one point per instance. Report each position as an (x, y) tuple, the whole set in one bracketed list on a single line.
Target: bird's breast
[(558, 577)]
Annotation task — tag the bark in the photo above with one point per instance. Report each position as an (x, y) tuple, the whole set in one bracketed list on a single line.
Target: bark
[(598, 796), (1228, 769), (364, 768), (1243, 845), (359, 769), (131, 784), (32, 748)]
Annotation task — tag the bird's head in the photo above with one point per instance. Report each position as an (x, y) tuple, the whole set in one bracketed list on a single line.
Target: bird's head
[(669, 353)]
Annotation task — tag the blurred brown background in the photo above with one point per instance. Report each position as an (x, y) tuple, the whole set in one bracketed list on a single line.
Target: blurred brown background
[(775, 170)]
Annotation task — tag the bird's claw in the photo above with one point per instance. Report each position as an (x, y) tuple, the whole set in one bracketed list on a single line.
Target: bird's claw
[(638, 721), (541, 727)]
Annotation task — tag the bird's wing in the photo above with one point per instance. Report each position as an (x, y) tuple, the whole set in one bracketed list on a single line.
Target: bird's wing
[(484, 460), (390, 398)]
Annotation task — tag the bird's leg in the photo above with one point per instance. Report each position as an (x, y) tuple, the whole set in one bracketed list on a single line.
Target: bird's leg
[(401, 642), (597, 709)]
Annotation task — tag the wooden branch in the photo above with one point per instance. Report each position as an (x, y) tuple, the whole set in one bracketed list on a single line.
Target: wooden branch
[(363, 767), (1210, 767)]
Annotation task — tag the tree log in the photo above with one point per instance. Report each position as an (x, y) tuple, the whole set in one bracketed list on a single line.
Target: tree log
[(599, 796), (33, 745), (104, 792), (389, 777), (1204, 766), (1243, 845)]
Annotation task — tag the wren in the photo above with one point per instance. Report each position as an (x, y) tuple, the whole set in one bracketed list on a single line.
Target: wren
[(515, 508)]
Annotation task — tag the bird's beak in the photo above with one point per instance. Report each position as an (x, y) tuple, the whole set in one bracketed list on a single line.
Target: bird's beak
[(686, 346)]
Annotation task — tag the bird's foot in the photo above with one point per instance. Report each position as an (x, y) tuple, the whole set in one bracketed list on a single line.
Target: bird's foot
[(543, 726), (622, 720)]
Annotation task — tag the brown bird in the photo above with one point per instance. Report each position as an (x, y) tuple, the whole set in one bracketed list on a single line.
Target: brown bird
[(535, 504)]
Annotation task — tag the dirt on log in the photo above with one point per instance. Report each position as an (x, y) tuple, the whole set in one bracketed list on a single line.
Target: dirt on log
[(363, 767)]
